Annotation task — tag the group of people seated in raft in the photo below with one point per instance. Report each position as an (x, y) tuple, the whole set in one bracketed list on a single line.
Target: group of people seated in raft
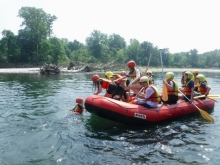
[(144, 92)]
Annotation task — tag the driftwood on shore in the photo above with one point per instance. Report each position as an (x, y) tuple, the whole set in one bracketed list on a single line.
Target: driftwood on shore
[(73, 68), (49, 69)]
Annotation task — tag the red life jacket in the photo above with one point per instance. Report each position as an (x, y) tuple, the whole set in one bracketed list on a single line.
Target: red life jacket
[(187, 90), (78, 108), (202, 90), (105, 83), (174, 91), (155, 96)]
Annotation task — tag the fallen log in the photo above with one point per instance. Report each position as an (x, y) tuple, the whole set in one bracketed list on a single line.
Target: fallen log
[(49, 69)]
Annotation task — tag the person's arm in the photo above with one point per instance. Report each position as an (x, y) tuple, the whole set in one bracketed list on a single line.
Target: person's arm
[(170, 86), (99, 90), (149, 92), (120, 78), (207, 90)]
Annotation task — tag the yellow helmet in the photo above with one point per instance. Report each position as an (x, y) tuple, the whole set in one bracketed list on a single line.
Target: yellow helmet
[(108, 74), (149, 71), (144, 79), (169, 75), (189, 74), (201, 77), (195, 72)]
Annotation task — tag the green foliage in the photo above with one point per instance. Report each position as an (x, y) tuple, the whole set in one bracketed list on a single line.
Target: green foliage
[(34, 44)]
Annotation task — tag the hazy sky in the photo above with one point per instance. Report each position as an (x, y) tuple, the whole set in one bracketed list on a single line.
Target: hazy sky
[(180, 25)]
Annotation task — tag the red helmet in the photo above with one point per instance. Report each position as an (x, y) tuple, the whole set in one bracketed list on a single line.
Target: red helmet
[(131, 64), (123, 73), (79, 100), (95, 78)]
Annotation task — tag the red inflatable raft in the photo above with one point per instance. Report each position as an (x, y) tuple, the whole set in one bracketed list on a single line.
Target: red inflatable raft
[(132, 114)]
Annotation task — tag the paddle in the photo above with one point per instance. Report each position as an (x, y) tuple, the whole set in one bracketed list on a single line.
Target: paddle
[(203, 96), (136, 95), (209, 96), (164, 90), (203, 113), (148, 64)]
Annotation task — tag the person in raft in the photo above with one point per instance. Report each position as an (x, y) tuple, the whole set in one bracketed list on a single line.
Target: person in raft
[(188, 88), (135, 75), (195, 73), (150, 93), (102, 83), (150, 76), (172, 88), (183, 82), (203, 88), (113, 77), (78, 109), (122, 93)]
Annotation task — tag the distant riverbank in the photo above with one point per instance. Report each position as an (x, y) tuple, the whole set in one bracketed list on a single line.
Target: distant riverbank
[(37, 70)]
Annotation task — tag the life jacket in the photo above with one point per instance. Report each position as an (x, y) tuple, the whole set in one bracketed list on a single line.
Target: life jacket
[(105, 83), (78, 109), (175, 91), (116, 76), (155, 97), (201, 90), (133, 75), (187, 90)]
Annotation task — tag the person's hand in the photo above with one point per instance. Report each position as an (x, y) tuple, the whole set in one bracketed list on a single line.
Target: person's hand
[(133, 101), (164, 82)]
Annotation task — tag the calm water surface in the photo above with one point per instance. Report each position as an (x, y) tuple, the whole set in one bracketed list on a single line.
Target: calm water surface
[(36, 127)]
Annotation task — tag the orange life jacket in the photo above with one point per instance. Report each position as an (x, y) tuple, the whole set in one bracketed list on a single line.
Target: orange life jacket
[(155, 96), (105, 83), (187, 90), (174, 91), (202, 90), (78, 108)]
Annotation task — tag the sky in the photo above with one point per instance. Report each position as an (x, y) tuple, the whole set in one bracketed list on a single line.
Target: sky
[(180, 25)]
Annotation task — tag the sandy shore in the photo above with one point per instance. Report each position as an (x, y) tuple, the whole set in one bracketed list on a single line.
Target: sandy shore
[(20, 70), (37, 70)]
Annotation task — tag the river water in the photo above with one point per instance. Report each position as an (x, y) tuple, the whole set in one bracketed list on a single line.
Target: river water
[(37, 127)]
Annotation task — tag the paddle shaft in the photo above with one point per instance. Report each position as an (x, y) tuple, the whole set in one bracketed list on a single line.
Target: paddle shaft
[(161, 64), (204, 96), (148, 64), (164, 89)]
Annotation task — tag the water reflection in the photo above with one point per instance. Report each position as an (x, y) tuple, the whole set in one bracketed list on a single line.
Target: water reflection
[(38, 128)]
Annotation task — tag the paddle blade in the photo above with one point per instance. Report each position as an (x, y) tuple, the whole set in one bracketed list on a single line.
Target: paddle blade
[(217, 96), (209, 96), (164, 93), (205, 115)]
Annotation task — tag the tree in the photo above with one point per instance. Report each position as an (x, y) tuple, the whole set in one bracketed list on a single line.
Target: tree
[(57, 51), (37, 27), (9, 46), (146, 48), (194, 58), (133, 51), (97, 45)]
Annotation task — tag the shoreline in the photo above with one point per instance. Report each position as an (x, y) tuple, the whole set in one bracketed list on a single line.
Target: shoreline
[(37, 70)]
